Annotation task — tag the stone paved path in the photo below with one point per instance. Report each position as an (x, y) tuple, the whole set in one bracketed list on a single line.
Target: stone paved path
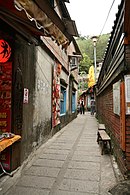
[(68, 164)]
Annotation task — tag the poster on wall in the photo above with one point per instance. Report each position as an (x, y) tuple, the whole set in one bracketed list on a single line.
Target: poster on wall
[(5, 96), (56, 95), (116, 98), (127, 93)]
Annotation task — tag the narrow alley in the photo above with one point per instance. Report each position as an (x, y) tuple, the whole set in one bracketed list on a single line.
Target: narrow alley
[(70, 163)]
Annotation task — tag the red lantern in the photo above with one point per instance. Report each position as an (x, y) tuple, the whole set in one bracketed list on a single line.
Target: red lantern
[(5, 51)]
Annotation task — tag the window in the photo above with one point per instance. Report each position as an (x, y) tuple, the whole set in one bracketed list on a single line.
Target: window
[(63, 101), (73, 102), (73, 61)]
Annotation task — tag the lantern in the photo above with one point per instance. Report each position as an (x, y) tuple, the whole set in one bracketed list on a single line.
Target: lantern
[(5, 51)]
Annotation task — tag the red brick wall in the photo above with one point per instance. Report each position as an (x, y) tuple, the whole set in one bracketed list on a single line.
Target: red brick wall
[(128, 143), (127, 58), (106, 115)]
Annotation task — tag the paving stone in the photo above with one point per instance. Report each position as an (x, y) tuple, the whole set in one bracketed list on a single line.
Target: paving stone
[(36, 182), (89, 133), (87, 153), (60, 192), (54, 151), (86, 138), (88, 174), (84, 165), (64, 142), (48, 163), (87, 141), (54, 156), (43, 171), (82, 145), (61, 147), (28, 191), (86, 158), (80, 186), (69, 139), (88, 148)]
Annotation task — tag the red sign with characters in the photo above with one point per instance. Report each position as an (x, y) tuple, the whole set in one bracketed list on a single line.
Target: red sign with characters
[(5, 51), (5, 96)]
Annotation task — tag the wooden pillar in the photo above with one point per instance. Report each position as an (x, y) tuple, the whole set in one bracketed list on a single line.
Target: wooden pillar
[(122, 117)]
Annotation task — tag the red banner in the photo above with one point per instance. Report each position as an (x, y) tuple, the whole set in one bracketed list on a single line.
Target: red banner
[(56, 95), (5, 106)]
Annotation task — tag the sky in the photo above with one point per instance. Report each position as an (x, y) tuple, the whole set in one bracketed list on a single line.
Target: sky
[(90, 15)]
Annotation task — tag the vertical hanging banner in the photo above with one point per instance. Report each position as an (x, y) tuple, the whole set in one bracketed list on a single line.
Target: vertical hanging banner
[(56, 95), (91, 81), (5, 96)]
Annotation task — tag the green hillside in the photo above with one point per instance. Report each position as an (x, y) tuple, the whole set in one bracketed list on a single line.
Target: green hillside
[(86, 47)]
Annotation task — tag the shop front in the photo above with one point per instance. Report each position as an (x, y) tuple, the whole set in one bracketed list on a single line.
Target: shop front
[(10, 156)]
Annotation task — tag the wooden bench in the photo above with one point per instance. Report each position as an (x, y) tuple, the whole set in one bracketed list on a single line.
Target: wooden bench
[(104, 138), (100, 127)]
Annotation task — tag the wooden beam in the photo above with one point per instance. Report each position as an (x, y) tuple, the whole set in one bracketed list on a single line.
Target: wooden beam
[(122, 117)]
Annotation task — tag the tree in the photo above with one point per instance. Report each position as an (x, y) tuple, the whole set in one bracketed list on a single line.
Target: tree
[(86, 47), (85, 63)]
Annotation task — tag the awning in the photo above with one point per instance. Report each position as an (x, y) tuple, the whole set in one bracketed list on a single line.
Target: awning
[(27, 13)]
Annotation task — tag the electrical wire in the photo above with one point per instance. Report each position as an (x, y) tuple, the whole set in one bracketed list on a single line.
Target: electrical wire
[(106, 19)]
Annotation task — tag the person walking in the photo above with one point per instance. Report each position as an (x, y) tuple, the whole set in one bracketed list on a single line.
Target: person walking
[(82, 110), (78, 108), (92, 106)]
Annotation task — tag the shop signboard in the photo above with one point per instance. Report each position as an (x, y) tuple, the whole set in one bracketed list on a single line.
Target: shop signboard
[(5, 96)]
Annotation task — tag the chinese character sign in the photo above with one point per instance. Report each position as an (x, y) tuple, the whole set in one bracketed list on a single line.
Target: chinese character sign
[(5, 96), (91, 81)]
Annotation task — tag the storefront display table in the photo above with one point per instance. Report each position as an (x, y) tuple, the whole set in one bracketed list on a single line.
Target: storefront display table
[(6, 142)]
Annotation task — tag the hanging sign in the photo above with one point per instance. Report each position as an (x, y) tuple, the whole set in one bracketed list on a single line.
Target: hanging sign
[(5, 51), (5, 107), (25, 96), (91, 81)]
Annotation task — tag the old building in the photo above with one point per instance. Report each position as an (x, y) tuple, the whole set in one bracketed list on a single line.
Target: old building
[(38, 91), (113, 88)]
